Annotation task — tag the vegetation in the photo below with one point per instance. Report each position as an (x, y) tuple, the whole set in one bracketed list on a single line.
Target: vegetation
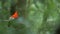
[(41, 17)]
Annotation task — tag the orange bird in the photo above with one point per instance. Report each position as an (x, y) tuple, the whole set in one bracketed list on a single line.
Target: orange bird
[(13, 12)]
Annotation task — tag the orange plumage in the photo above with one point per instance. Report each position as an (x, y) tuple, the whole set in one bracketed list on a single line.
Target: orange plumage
[(15, 15)]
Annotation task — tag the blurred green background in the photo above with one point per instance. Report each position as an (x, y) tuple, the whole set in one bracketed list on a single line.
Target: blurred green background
[(42, 16)]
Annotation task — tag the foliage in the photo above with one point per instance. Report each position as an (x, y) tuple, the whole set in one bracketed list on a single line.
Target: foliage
[(43, 16)]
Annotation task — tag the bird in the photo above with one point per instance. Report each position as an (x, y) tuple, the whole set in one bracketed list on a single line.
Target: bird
[(13, 14)]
